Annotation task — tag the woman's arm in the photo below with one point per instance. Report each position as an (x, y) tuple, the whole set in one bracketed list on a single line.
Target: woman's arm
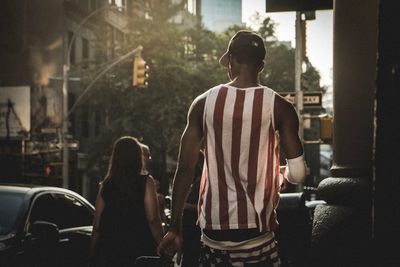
[(151, 209), (96, 222)]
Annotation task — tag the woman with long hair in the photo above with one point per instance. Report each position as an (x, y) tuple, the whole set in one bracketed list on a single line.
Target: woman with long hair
[(127, 222)]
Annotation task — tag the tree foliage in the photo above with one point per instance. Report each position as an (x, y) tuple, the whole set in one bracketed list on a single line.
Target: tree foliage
[(183, 64)]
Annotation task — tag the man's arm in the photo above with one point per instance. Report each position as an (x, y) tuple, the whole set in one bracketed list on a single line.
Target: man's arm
[(287, 123), (190, 145)]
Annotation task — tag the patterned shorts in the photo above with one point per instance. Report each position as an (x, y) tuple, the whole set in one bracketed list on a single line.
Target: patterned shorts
[(210, 257)]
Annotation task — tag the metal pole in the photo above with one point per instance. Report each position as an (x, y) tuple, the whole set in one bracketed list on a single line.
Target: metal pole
[(64, 131), (298, 71), (67, 113)]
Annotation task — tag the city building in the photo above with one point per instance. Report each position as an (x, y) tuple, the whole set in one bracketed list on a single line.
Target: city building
[(39, 38), (35, 45), (218, 15)]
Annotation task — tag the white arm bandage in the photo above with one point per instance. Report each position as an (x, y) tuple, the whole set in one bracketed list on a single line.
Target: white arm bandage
[(296, 170)]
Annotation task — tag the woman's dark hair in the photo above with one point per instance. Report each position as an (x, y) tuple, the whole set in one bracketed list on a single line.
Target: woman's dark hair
[(125, 162)]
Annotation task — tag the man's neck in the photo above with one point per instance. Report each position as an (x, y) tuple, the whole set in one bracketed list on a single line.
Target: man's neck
[(244, 81)]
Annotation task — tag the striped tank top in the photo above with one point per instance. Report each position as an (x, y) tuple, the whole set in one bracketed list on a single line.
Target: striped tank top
[(240, 181)]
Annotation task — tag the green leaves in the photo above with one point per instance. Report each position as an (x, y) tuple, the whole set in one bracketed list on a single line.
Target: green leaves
[(183, 64)]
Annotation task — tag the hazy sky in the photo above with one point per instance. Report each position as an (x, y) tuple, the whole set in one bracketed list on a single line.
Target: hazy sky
[(319, 34)]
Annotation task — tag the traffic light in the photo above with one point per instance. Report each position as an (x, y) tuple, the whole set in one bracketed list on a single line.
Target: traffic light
[(140, 73), (326, 130)]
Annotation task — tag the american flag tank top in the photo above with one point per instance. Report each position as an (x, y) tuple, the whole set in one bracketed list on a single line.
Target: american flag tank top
[(240, 181)]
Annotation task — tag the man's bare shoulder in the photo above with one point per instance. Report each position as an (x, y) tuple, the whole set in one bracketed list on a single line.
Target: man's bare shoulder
[(283, 106), (284, 111), (201, 98), (198, 103), (196, 110)]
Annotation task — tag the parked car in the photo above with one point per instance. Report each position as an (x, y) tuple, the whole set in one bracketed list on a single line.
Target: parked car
[(325, 158), (44, 226)]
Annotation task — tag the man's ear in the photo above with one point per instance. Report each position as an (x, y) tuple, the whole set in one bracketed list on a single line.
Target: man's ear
[(230, 59), (261, 67)]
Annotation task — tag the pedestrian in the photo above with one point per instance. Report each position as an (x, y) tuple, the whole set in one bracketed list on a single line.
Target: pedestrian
[(126, 223), (241, 125), (146, 170)]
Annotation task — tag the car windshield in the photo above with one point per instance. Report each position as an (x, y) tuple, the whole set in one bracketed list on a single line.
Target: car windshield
[(10, 205)]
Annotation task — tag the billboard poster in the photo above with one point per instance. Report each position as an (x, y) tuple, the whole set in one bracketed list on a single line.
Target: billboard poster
[(46, 106), (15, 111)]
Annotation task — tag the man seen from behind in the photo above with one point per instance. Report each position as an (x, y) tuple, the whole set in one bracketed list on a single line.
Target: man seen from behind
[(241, 125)]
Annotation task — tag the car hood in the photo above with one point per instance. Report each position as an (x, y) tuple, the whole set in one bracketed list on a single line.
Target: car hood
[(6, 237)]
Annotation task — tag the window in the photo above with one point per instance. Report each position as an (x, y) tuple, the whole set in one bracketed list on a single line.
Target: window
[(64, 210), (93, 4), (84, 4), (72, 53), (85, 52), (85, 48), (191, 6), (121, 4), (97, 122), (85, 123), (10, 206), (119, 36), (71, 102)]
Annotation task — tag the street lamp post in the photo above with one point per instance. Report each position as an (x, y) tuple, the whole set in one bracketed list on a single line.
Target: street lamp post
[(298, 71), (64, 130), (66, 67), (65, 112)]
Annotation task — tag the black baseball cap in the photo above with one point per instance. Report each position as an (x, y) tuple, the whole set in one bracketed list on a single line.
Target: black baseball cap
[(244, 42)]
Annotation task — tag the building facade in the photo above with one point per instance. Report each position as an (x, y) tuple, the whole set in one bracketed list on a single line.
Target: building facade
[(221, 14), (38, 38)]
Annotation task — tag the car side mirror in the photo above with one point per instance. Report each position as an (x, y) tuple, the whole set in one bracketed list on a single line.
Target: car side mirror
[(45, 233)]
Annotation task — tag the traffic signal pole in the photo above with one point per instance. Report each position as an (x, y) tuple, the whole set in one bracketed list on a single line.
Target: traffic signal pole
[(66, 68), (298, 71), (64, 130), (135, 51), (67, 113)]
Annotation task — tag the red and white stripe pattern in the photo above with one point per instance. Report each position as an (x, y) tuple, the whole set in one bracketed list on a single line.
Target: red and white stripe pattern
[(240, 183)]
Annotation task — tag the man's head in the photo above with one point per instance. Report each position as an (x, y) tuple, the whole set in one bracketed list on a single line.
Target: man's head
[(245, 47)]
